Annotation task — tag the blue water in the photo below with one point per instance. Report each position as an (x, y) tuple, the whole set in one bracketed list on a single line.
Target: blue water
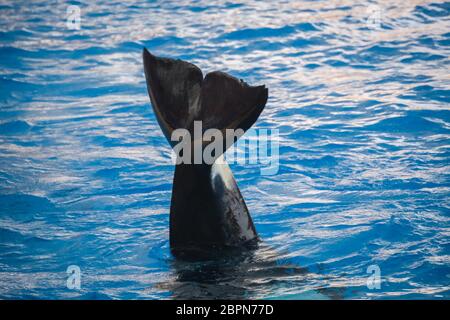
[(363, 112)]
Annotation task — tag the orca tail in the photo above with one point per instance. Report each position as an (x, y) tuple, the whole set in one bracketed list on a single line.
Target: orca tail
[(207, 209), (181, 95)]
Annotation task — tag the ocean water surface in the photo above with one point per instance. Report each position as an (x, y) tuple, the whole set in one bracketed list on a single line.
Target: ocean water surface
[(360, 94)]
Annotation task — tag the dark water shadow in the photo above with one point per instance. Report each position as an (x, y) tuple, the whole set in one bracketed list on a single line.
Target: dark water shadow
[(259, 272)]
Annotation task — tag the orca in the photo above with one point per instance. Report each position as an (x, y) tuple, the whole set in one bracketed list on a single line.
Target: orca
[(207, 212)]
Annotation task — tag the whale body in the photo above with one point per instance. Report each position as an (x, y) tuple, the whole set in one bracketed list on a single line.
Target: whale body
[(207, 211)]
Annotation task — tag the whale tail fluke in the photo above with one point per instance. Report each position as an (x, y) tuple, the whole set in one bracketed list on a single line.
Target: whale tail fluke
[(180, 95), (207, 209)]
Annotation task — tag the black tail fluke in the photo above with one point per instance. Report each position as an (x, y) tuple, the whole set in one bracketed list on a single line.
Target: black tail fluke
[(180, 95), (207, 209)]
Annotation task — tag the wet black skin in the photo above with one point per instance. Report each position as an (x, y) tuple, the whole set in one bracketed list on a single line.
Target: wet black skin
[(207, 212)]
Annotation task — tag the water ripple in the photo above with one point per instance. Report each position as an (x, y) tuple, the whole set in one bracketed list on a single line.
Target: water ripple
[(363, 115)]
